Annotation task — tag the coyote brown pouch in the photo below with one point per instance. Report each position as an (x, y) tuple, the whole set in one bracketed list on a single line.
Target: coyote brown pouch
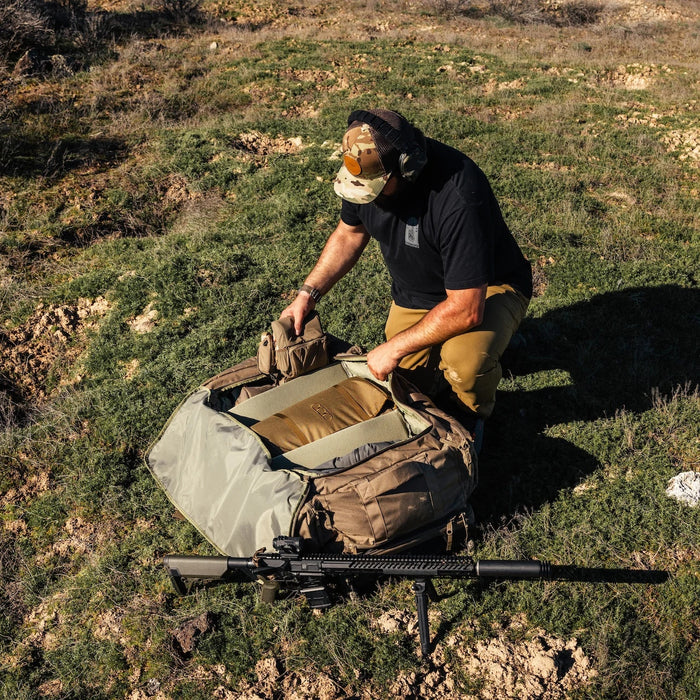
[(288, 355), (344, 404)]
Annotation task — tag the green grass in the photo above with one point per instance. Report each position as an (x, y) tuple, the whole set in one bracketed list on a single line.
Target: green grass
[(592, 419)]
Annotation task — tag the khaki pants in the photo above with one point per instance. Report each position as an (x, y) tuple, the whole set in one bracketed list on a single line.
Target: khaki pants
[(470, 362)]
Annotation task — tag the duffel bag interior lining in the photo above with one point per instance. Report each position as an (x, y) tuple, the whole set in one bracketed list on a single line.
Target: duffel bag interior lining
[(389, 427), (393, 426), (275, 400)]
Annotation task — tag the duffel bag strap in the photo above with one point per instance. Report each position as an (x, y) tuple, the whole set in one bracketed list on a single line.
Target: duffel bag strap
[(456, 531)]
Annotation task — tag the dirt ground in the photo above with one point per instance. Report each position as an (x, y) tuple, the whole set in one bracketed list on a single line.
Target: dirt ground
[(517, 662), (47, 344)]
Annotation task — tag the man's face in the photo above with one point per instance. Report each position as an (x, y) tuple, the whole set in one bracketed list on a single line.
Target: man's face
[(391, 194)]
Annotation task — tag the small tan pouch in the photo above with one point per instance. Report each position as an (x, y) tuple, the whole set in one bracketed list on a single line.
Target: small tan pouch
[(266, 354), (288, 355)]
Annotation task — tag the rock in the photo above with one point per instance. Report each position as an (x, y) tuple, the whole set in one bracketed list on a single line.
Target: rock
[(186, 636), (685, 487), (145, 321)]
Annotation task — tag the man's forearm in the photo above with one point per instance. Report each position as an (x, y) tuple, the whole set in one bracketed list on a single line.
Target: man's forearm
[(343, 247), (434, 328), (451, 317), (461, 311), (342, 250)]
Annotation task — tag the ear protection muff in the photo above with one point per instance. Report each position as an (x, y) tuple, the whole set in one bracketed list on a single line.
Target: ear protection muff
[(412, 155)]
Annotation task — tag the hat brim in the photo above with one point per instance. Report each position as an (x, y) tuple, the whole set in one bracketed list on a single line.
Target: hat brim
[(358, 190)]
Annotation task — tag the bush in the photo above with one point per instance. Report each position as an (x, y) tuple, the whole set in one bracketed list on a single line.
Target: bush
[(574, 12), (181, 10), (450, 8), (36, 29), (581, 12), (25, 25)]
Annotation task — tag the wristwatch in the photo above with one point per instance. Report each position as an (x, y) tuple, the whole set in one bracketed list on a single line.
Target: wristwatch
[(311, 291)]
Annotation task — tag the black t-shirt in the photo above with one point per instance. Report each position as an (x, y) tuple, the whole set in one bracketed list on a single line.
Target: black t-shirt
[(444, 232)]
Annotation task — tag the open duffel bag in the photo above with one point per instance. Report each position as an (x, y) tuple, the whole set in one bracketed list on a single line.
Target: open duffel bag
[(335, 456)]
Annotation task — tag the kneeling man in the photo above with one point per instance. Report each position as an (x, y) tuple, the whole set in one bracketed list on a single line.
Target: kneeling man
[(460, 284)]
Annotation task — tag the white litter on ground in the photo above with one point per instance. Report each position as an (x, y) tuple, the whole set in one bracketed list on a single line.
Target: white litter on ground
[(685, 487)]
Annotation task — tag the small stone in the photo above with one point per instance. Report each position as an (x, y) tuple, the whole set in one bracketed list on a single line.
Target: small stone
[(685, 487)]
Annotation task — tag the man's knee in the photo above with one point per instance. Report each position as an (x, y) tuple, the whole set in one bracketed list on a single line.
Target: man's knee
[(464, 368), (471, 366)]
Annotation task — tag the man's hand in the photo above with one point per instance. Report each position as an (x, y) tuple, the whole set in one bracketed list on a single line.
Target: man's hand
[(382, 361), (299, 309)]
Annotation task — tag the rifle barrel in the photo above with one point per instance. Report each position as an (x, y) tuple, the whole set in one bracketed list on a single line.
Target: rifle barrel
[(434, 566), (527, 568)]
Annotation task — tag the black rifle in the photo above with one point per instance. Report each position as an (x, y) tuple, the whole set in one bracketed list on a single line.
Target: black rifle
[(311, 574)]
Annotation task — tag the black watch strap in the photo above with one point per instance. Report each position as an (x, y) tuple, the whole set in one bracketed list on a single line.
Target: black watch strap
[(311, 291)]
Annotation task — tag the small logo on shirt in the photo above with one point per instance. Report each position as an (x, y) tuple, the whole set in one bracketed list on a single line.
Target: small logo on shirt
[(411, 236)]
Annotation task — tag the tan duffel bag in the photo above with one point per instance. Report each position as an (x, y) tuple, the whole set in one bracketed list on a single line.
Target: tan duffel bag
[(380, 478)]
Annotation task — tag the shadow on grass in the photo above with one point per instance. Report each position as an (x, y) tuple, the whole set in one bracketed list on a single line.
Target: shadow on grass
[(31, 157), (617, 349), (83, 39)]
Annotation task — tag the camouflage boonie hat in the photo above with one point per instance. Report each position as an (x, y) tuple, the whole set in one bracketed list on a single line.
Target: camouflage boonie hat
[(362, 176)]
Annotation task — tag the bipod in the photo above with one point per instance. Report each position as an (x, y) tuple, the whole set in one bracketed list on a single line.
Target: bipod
[(424, 589)]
